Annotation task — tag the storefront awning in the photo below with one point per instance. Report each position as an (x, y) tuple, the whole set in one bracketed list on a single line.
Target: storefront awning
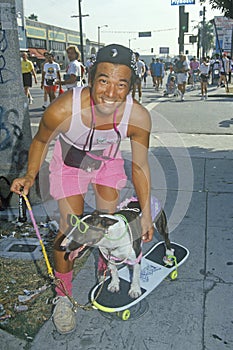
[(38, 53)]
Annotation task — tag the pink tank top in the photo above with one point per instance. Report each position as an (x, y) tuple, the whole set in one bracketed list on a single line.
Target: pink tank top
[(102, 139)]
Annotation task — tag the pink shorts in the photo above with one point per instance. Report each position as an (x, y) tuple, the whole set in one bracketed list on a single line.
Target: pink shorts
[(66, 181)]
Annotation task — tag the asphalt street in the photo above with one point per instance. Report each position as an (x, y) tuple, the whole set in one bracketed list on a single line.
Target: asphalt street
[(191, 163)]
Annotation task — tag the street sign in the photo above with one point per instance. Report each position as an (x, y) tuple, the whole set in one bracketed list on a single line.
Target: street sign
[(182, 2), (144, 34), (164, 50)]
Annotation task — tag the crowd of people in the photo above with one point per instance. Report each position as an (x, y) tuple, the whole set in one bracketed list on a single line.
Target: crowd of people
[(216, 70)]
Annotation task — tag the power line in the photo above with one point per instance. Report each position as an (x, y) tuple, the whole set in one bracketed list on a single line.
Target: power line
[(133, 32)]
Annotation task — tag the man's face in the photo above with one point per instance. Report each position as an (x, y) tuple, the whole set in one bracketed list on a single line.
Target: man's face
[(71, 55), (50, 59), (24, 56), (110, 86)]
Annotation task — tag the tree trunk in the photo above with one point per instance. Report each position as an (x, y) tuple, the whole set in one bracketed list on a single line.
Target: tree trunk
[(15, 130)]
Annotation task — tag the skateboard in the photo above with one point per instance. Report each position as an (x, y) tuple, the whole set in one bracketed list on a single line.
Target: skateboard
[(153, 272)]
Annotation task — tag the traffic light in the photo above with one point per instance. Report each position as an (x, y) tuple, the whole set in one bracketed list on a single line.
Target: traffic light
[(193, 39), (184, 22)]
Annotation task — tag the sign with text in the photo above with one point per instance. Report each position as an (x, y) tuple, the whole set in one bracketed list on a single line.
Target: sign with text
[(164, 50), (182, 2), (144, 34)]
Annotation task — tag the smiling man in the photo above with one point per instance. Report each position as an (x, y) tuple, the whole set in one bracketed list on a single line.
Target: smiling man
[(89, 124)]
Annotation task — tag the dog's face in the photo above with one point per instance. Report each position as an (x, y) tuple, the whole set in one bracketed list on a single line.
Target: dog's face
[(87, 231)]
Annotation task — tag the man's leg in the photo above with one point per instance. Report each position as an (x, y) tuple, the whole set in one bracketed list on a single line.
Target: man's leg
[(63, 315), (106, 198), (134, 90), (140, 91)]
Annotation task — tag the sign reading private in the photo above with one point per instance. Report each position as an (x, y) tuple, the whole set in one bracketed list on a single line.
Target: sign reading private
[(182, 2)]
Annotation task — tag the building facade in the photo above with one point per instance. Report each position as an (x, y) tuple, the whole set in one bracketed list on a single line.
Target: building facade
[(37, 37)]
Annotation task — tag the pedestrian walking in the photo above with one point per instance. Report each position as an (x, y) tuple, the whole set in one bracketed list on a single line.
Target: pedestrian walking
[(194, 71), (74, 70), (27, 71), (84, 120), (204, 76), (224, 70), (51, 77), (181, 69), (156, 72), (138, 82), (45, 104)]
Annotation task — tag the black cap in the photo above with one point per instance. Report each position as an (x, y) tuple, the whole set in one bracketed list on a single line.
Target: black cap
[(117, 54)]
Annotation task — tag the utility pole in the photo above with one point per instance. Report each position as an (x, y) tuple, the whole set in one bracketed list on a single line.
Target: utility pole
[(203, 39), (81, 29), (80, 16)]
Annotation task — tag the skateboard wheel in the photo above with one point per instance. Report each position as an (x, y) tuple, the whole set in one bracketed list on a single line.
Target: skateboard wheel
[(124, 315), (174, 274)]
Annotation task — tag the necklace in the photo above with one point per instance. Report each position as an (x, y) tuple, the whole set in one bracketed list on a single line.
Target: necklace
[(90, 135)]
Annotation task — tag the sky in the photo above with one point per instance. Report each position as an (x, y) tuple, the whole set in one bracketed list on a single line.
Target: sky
[(125, 19)]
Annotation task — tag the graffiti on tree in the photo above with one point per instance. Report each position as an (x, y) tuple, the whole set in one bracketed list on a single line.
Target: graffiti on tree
[(11, 136), (5, 73)]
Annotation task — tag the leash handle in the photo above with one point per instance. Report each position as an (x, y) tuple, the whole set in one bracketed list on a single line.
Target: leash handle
[(22, 209)]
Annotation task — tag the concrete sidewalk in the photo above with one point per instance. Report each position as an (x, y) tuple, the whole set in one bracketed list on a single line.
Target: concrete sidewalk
[(194, 312)]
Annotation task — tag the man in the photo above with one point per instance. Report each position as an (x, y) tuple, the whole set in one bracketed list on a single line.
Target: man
[(27, 71), (224, 70), (74, 71), (138, 82), (89, 64), (50, 77), (45, 104), (204, 76), (181, 68), (194, 70), (156, 72), (92, 118)]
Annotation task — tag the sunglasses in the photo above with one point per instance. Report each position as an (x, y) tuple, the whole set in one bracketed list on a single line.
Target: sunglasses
[(82, 225)]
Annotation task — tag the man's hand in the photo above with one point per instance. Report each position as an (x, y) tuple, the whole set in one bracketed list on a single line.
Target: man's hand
[(147, 229), (25, 182)]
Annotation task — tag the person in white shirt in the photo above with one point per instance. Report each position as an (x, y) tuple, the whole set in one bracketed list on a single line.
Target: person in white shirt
[(204, 76), (224, 70), (51, 77), (138, 82), (181, 69), (73, 76)]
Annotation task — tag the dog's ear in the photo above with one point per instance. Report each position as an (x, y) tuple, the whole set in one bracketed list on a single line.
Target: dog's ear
[(106, 222)]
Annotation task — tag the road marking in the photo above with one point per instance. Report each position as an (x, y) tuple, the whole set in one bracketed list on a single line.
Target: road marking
[(151, 105)]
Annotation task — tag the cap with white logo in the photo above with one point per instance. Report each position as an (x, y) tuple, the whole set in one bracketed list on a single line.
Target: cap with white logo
[(117, 54)]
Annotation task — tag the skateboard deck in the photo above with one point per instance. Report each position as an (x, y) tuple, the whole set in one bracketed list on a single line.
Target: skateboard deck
[(153, 272)]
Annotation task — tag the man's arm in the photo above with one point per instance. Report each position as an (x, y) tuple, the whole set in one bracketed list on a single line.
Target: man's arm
[(34, 74), (56, 119), (72, 79), (140, 166), (42, 79)]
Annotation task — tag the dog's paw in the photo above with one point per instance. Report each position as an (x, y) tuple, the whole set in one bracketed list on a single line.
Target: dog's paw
[(113, 287), (135, 292)]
